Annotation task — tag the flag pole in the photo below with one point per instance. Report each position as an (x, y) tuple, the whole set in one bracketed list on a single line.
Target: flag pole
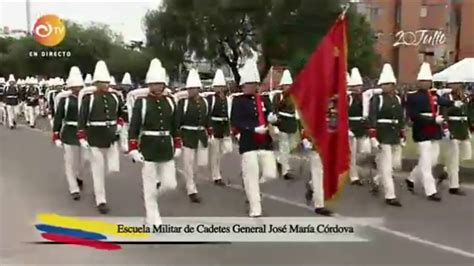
[(344, 10)]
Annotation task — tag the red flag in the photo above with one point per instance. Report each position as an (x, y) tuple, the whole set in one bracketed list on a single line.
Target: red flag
[(320, 94)]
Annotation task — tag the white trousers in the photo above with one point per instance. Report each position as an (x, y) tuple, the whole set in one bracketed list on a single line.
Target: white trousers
[(384, 159), (32, 114), (3, 113), (74, 163), (254, 162), (429, 153), (124, 138), (97, 161), (317, 179), (11, 114), (284, 149), (152, 173), (458, 151), (357, 146), (190, 160), (215, 156)]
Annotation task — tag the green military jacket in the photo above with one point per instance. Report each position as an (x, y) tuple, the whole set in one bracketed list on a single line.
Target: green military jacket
[(193, 113), (219, 112), (153, 124), (387, 117), (284, 107), (458, 121), (357, 123), (99, 118), (470, 109), (65, 120)]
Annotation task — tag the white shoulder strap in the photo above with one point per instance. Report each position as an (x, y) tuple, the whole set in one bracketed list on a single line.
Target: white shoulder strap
[(380, 102), (207, 104), (185, 107), (91, 103), (229, 105), (399, 99), (143, 110), (66, 105), (171, 103), (213, 101), (350, 100)]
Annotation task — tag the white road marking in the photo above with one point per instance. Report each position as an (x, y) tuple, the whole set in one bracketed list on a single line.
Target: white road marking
[(377, 227)]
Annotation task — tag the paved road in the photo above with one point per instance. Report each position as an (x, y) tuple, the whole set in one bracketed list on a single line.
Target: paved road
[(32, 181)]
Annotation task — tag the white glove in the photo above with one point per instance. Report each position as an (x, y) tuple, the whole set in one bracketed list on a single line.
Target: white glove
[(119, 129), (84, 144), (272, 118), (439, 120), (446, 133), (458, 104), (137, 156), (276, 130), (351, 134), (261, 129), (307, 145), (177, 153), (403, 142), (237, 137), (374, 143), (58, 143)]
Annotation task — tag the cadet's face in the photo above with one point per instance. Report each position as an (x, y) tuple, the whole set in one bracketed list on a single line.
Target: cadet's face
[(425, 84), (356, 89), (75, 90), (285, 88), (219, 88), (103, 86), (193, 92), (156, 88), (250, 88), (455, 85), (388, 87)]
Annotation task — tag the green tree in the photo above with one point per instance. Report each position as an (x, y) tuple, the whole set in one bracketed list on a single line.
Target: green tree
[(283, 31)]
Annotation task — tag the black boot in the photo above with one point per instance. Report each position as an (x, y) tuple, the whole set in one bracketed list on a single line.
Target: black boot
[(323, 211), (457, 191), (80, 183), (194, 198), (410, 185), (441, 177), (375, 189), (103, 208), (158, 185), (288, 177), (393, 202), (434, 197), (357, 183), (219, 183), (76, 196)]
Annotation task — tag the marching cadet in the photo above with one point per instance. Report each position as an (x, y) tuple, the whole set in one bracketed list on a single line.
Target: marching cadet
[(65, 131), (124, 88), (315, 187), (386, 123), (32, 102), (458, 123), (154, 141), (219, 111), (3, 112), (423, 111), (99, 113), (11, 95), (50, 95), (357, 124), (287, 124), (251, 116), (195, 130)]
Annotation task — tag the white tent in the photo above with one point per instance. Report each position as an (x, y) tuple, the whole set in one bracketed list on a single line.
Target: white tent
[(465, 67)]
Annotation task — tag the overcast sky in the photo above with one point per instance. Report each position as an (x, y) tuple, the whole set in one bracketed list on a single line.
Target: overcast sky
[(124, 17)]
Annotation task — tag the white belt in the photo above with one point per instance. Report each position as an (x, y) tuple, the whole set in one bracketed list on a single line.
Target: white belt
[(216, 118), (387, 121), (355, 118), (12, 96), (102, 123), (286, 114), (71, 123), (457, 118), (155, 133), (427, 114), (192, 128)]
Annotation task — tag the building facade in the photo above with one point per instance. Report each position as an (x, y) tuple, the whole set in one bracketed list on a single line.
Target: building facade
[(409, 32)]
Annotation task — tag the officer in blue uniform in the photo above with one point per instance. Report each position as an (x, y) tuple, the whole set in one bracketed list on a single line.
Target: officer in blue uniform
[(423, 111), (251, 116)]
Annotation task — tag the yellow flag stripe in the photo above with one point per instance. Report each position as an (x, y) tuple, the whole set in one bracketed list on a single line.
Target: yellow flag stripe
[(86, 225)]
